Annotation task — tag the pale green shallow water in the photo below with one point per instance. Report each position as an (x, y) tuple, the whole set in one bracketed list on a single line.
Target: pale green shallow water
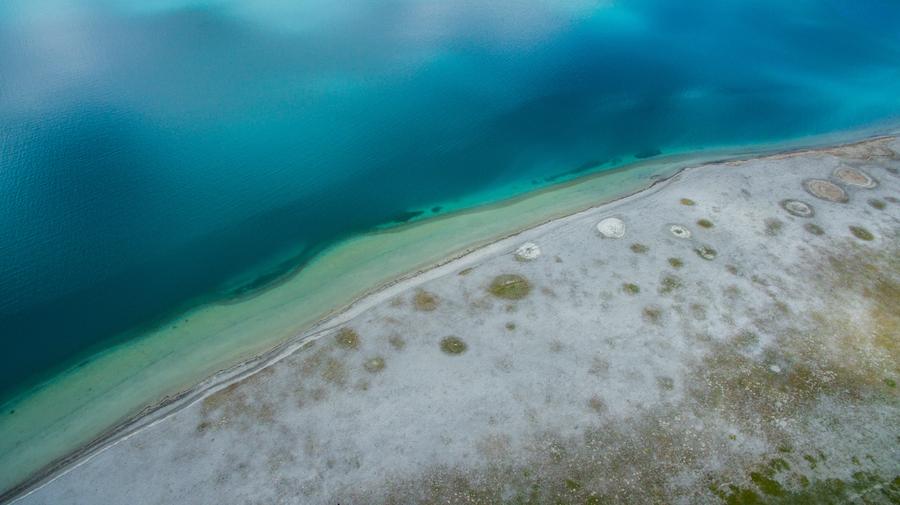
[(56, 418)]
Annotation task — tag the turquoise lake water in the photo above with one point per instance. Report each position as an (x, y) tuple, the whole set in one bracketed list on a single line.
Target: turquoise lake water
[(158, 154)]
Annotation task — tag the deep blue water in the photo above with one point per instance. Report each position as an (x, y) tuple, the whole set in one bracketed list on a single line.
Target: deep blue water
[(152, 154)]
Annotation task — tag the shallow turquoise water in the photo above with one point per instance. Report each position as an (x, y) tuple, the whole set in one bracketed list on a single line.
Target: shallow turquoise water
[(154, 154)]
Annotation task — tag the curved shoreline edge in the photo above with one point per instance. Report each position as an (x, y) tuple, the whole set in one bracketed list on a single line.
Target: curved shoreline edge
[(470, 254)]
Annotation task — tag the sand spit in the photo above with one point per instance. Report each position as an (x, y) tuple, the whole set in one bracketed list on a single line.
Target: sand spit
[(754, 358)]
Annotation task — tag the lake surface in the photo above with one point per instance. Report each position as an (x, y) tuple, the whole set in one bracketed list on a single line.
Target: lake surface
[(157, 155)]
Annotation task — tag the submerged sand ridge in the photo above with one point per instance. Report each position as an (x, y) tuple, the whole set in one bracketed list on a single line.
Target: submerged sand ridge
[(737, 342)]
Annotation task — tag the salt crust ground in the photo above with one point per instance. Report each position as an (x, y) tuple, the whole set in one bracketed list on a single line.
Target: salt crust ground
[(626, 370)]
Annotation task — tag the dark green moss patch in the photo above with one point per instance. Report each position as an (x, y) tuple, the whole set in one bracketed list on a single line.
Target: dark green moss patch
[(688, 202), (705, 223), (773, 226), (876, 204), (814, 229), (861, 233), (639, 248), (631, 289), (453, 345), (510, 287), (891, 383), (676, 262)]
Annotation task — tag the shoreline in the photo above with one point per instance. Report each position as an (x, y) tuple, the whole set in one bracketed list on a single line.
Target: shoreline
[(457, 259)]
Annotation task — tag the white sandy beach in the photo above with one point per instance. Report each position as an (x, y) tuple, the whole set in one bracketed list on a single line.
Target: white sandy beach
[(653, 367)]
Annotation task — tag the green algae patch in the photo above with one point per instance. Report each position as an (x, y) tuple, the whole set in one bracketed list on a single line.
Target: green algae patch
[(425, 301), (705, 223), (862, 487), (347, 338), (814, 229), (861, 233), (639, 248), (676, 262), (630, 288), (453, 345), (510, 287), (688, 202)]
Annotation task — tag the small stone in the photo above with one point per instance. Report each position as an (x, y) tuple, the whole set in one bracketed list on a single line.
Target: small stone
[(611, 227), (528, 251)]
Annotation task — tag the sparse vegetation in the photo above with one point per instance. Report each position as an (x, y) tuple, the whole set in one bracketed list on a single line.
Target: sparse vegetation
[(347, 338), (425, 301)]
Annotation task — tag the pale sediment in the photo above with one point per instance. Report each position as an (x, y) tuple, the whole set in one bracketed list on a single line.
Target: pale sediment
[(752, 359)]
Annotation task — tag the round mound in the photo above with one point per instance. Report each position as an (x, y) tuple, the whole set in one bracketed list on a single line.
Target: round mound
[(528, 251), (680, 231), (855, 177), (797, 208), (611, 227), (826, 190)]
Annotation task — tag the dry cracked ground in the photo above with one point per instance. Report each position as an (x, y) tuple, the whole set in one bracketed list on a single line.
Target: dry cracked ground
[(737, 344)]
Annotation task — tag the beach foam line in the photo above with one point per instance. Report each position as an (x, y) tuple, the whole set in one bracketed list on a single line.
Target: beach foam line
[(84, 409)]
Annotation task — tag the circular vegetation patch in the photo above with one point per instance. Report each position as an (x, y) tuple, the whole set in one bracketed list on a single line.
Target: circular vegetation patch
[(510, 287), (347, 338), (453, 345), (861, 233)]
